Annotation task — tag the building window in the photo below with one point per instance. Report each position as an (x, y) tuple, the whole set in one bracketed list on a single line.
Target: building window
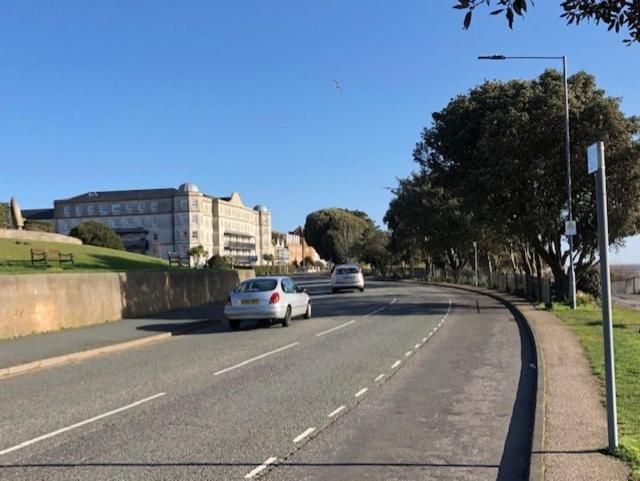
[(65, 225), (104, 209), (154, 206), (115, 209), (90, 209), (141, 221), (194, 218), (194, 234), (67, 210), (154, 236), (141, 207), (130, 237), (78, 210), (194, 202), (129, 208), (183, 204), (130, 222), (185, 235), (115, 223), (154, 221)]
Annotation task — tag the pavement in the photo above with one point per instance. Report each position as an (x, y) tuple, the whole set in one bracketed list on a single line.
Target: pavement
[(399, 382)]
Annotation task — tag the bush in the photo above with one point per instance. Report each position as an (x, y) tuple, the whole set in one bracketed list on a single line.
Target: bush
[(38, 225), (218, 262), (589, 282), (97, 234), (584, 299)]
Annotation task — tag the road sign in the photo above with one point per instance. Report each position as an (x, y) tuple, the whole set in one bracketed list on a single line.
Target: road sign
[(570, 228), (592, 158)]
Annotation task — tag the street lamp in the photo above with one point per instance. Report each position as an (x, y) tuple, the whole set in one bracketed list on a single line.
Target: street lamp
[(572, 277)]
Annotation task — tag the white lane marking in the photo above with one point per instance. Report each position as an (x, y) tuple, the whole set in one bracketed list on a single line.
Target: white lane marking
[(379, 378), (395, 364), (435, 328), (362, 391), (394, 300), (408, 353), (248, 361), (303, 435), (81, 423), (335, 328), (375, 312), (336, 411), (255, 471), (416, 346), (425, 339)]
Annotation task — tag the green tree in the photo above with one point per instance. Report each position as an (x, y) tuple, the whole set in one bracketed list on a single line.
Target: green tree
[(500, 150), (334, 233), (38, 225), (218, 262), (268, 258), (374, 249), (616, 14), (5, 215), (198, 253), (308, 261), (97, 234)]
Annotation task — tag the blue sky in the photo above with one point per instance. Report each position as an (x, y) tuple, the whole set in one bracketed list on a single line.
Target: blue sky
[(239, 96)]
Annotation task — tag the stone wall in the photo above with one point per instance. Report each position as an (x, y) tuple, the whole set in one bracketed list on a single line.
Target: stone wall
[(48, 302), (37, 236)]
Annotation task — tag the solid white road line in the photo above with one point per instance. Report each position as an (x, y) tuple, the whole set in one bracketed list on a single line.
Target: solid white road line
[(340, 409), (408, 353), (395, 364), (255, 471), (375, 312), (362, 391), (81, 423), (303, 435), (416, 346), (248, 361), (379, 378), (335, 328)]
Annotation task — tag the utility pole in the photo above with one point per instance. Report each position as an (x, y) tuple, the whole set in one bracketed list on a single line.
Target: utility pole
[(475, 249), (595, 156)]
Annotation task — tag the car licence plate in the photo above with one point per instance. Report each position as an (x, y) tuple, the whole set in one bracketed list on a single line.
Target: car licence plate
[(250, 301)]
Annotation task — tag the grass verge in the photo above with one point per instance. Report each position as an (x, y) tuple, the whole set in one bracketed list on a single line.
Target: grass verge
[(15, 258), (586, 322)]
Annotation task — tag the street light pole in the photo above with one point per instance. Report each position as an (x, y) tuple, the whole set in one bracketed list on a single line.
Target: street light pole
[(572, 277)]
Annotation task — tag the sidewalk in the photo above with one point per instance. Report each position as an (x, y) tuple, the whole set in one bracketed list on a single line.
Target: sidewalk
[(67, 345)]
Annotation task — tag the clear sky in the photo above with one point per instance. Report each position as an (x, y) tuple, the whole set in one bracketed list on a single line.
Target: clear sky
[(239, 95)]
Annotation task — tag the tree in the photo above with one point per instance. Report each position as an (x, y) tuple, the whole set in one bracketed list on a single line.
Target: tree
[(198, 253), (268, 258), (308, 261), (38, 225), (374, 249), (500, 149), (616, 14), (5, 215), (218, 262), (334, 233), (97, 234)]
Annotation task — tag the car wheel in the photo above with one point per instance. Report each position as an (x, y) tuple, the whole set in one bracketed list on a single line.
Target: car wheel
[(286, 322), (307, 314), (234, 324), (334, 290), (362, 289)]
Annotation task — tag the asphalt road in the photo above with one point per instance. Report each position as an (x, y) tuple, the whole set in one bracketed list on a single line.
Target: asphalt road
[(399, 382)]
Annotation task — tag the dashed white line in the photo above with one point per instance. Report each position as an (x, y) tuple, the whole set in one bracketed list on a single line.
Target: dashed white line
[(435, 329), (425, 339), (393, 301), (395, 364), (362, 391), (416, 346), (336, 328), (77, 425), (408, 353), (379, 378), (303, 435), (337, 411), (248, 361), (375, 312), (260, 468)]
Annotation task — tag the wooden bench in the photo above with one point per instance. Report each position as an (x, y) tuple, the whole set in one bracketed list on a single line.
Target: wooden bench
[(45, 256), (178, 260)]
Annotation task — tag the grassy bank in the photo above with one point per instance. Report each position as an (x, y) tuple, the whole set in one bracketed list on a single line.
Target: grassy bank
[(15, 258), (586, 322)]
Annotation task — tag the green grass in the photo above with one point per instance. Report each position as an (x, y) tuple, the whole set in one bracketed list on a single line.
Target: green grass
[(16, 258), (586, 322)]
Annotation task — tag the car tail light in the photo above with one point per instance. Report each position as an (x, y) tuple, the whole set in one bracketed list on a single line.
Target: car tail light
[(227, 302), (275, 298)]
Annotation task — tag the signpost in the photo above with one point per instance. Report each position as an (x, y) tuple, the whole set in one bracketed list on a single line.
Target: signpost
[(595, 163), (570, 228), (475, 249)]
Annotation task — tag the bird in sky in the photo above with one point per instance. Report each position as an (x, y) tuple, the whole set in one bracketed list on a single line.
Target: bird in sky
[(338, 86)]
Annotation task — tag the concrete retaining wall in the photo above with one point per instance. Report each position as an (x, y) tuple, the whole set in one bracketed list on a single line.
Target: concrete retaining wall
[(47, 302), (35, 235)]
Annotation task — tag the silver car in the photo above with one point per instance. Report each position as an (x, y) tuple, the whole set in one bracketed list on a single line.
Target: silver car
[(347, 276), (267, 298)]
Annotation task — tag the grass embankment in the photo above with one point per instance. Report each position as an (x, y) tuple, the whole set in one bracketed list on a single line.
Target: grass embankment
[(15, 258), (586, 322)]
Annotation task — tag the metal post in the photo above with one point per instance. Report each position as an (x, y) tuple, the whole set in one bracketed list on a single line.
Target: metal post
[(605, 285), (572, 277), (475, 248)]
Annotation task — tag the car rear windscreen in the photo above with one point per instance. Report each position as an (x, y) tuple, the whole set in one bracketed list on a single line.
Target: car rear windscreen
[(257, 285), (348, 270)]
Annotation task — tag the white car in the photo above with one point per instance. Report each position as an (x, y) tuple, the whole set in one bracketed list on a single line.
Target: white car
[(267, 298), (347, 276)]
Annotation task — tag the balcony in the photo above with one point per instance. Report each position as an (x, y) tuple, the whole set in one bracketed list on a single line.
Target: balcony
[(239, 246)]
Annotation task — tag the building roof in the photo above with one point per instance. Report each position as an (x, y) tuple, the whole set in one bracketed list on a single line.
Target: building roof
[(115, 195), (37, 214), (188, 187)]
